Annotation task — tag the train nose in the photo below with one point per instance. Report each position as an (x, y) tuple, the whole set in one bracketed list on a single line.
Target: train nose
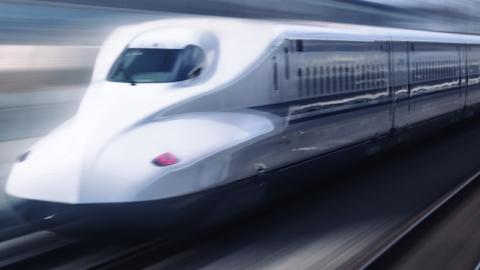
[(74, 218), (104, 217), (34, 179)]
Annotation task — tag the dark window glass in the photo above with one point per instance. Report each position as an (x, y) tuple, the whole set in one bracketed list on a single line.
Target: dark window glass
[(334, 79), (352, 77), (327, 75), (300, 82), (275, 74), (364, 77), (368, 78), (157, 65), (415, 72), (382, 75), (429, 75), (423, 71), (340, 79), (347, 78), (322, 81), (307, 81), (287, 63)]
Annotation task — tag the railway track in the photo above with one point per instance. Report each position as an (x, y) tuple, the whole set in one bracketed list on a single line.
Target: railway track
[(396, 250)]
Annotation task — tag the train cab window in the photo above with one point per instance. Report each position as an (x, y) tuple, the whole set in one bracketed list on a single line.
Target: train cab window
[(157, 65)]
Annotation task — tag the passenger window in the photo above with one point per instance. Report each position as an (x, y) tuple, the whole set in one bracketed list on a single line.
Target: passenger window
[(300, 82), (358, 77), (340, 79), (322, 81), (373, 78), (370, 76), (307, 82), (379, 77), (424, 71), (328, 79), (352, 77), (382, 76), (415, 75), (430, 71), (287, 64), (275, 74), (347, 78), (364, 77), (334, 79)]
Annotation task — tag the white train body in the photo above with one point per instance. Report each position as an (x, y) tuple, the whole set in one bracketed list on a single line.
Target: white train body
[(258, 97)]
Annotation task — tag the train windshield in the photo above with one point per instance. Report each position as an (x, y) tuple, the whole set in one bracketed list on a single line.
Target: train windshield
[(157, 65)]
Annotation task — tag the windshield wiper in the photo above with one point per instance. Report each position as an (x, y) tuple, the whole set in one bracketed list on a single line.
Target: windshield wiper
[(127, 75)]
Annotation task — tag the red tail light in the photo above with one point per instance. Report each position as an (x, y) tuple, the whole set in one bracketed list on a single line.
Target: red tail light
[(165, 159)]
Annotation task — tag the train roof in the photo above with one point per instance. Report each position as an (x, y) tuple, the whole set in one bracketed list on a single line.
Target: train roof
[(294, 29), (338, 31)]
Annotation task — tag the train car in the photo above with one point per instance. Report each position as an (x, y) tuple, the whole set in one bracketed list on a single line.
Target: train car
[(183, 116)]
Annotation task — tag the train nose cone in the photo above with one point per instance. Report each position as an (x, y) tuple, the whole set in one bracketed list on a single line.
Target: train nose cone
[(51, 171), (34, 181)]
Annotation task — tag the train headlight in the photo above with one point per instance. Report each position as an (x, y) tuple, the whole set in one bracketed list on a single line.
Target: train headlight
[(165, 159)]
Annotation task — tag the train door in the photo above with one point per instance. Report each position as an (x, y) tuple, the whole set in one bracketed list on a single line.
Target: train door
[(399, 90), (473, 54), (434, 92)]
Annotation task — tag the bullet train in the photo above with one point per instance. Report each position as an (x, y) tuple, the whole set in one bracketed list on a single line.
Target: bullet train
[(183, 117)]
